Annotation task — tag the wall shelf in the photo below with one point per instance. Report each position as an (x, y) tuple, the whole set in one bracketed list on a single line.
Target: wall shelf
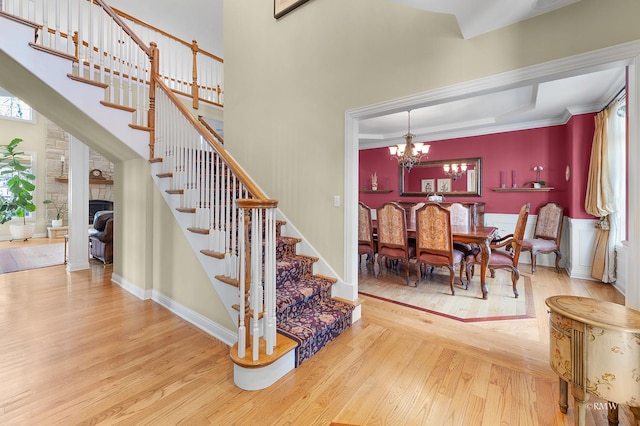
[(91, 181), (544, 189), (377, 191)]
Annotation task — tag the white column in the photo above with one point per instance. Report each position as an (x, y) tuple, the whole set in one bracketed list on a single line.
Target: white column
[(78, 205)]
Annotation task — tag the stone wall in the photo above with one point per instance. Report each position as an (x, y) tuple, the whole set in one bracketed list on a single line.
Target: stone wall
[(57, 158)]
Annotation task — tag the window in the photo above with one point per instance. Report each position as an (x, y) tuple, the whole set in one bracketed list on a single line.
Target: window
[(14, 108)]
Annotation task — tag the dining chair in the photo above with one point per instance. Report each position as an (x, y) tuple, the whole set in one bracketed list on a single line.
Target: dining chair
[(507, 259), (393, 243), (434, 241), (461, 216), (547, 234), (366, 244)]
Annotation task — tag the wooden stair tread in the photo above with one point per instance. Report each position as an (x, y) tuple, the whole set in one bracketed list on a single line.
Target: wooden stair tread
[(175, 191), (165, 175), (198, 231), (87, 81), (212, 253), (284, 345), (53, 52), (118, 106), (227, 280), (186, 209), (143, 128)]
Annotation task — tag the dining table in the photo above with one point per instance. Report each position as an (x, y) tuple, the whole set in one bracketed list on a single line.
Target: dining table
[(466, 234)]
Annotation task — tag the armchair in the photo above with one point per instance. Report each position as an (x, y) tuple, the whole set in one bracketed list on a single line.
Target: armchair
[(507, 259), (393, 243), (101, 236), (547, 234)]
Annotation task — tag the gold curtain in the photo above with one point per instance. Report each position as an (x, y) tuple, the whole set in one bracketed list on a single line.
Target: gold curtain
[(599, 198)]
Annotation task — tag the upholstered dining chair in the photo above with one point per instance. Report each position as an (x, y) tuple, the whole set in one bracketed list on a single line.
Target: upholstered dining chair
[(393, 243), (507, 259), (366, 244), (547, 234), (434, 240), (461, 216)]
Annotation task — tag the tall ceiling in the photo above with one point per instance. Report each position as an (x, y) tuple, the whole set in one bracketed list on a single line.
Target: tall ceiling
[(477, 17), (530, 105)]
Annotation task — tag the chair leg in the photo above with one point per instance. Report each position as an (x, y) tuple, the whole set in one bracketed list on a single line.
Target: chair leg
[(379, 265), (515, 276), (558, 257), (452, 276), (533, 262)]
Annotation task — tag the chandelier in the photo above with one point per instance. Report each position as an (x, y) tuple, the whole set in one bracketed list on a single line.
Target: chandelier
[(455, 171), (409, 154)]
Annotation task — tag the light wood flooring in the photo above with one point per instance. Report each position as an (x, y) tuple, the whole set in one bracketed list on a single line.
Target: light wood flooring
[(77, 349)]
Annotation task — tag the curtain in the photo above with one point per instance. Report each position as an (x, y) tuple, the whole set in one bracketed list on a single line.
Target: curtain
[(606, 190)]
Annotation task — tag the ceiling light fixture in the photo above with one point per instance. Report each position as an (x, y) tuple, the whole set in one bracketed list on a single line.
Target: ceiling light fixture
[(409, 154)]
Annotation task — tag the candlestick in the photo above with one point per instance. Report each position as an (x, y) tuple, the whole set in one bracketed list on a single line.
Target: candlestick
[(502, 182), (61, 165), (513, 177)]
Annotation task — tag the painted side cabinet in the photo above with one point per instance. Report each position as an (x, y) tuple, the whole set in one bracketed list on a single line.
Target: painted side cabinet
[(595, 346)]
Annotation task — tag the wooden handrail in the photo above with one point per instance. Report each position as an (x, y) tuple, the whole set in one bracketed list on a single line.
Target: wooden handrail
[(253, 203), (164, 33), (241, 175), (124, 26), (210, 129)]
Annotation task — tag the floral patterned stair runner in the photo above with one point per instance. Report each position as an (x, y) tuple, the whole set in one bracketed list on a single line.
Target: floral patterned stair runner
[(305, 311)]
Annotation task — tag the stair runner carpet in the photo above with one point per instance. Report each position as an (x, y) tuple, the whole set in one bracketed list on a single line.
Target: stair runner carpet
[(305, 311)]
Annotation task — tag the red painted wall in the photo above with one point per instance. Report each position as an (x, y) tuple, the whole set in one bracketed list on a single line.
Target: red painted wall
[(552, 147)]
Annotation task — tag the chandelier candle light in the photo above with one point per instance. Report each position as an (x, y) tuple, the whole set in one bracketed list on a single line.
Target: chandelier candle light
[(454, 171), (409, 153)]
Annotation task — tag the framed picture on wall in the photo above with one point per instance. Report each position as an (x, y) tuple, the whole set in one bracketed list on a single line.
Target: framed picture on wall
[(282, 7), (428, 186), (471, 180), (444, 185)]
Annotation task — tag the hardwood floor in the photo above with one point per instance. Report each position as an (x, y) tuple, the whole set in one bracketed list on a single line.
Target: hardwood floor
[(77, 349)]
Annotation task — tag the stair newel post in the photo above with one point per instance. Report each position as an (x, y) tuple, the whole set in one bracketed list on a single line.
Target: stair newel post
[(194, 83), (151, 115)]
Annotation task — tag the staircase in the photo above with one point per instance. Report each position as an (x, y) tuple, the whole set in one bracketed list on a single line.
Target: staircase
[(214, 202)]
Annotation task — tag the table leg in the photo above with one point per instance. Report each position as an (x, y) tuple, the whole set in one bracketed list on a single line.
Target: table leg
[(563, 402), (486, 254), (612, 417)]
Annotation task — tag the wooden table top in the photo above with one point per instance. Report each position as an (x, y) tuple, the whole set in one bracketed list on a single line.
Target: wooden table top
[(595, 312)]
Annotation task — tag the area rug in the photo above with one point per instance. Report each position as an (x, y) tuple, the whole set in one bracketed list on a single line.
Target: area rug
[(31, 257), (433, 295)]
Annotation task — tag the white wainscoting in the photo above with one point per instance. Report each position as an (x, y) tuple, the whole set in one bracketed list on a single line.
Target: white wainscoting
[(577, 244)]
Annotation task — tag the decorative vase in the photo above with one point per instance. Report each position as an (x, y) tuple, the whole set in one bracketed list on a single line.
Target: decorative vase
[(374, 187), (537, 185), (22, 231), (56, 223)]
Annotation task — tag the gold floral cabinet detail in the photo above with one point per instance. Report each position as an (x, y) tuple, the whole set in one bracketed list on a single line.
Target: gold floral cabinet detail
[(594, 348)]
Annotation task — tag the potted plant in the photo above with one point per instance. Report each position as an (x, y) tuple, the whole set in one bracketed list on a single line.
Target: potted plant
[(538, 183), (57, 222), (20, 186)]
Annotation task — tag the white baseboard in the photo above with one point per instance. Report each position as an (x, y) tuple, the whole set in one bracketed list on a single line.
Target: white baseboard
[(203, 323)]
